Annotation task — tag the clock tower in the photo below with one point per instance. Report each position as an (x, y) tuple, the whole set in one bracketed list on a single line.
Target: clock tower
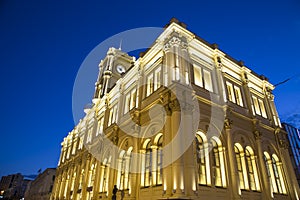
[(111, 69)]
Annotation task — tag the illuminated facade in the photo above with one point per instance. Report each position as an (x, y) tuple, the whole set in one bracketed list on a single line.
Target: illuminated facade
[(244, 158)]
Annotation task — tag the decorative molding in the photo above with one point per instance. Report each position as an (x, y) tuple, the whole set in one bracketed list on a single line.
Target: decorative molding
[(227, 123), (174, 105)]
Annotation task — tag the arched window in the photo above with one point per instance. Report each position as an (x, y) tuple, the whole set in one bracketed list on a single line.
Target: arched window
[(218, 166), (275, 173), (103, 187), (148, 165), (202, 159), (159, 161), (123, 174), (252, 169), (240, 166), (278, 175), (270, 173)]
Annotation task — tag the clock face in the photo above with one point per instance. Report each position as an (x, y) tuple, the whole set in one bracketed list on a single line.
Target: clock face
[(120, 69)]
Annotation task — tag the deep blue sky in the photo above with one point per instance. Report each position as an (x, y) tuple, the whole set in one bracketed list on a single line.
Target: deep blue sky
[(43, 44)]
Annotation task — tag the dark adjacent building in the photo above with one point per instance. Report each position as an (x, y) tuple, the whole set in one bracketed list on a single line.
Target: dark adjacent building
[(13, 186), (41, 187), (294, 140)]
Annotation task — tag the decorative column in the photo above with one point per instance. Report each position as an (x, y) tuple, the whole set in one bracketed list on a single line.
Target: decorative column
[(248, 97), (190, 180), (86, 175), (264, 179), (167, 170), (97, 179), (135, 171), (168, 63), (233, 178), (77, 179), (177, 165), (69, 180)]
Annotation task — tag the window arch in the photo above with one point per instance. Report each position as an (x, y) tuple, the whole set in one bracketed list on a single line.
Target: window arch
[(239, 155), (148, 165), (275, 173), (202, 159), (252, 169), (123, 169), (278, 174), (218, 165), (103, 187)]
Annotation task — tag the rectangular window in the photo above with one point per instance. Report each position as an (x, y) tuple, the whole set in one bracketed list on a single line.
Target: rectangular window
[(198, 75), (234, 94), (259, 107), (100, 126), (150, 85), (74, 146), (203, 78), (80, 143), (154, 81), (112, 115), (157, 79), (230, 92), (238, 96), (207, 80), (89, 135), (262, 108), (130, 101), (256, 105), (127, 103)]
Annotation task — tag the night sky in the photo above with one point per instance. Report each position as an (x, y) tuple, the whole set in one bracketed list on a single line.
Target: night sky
[(43, 44)]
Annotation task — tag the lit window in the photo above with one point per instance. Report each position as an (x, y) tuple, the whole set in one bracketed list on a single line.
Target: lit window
[(150, 86), (240, 167), (89, 135), (100, 126), (80, 143), (202, 160), (275, 173), (112, 115), (218, 165), (198, 75), (252, 169), (207, 80), (203, 78), (74, 146), (154, 80), (278, 175), (230, 92), (238, 96), (262, 108), (259, 107), (69, 149), (157, 78), (234, 94), (123, 171), (148, 165), (127, 103), (103, 186), (130, 101)]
